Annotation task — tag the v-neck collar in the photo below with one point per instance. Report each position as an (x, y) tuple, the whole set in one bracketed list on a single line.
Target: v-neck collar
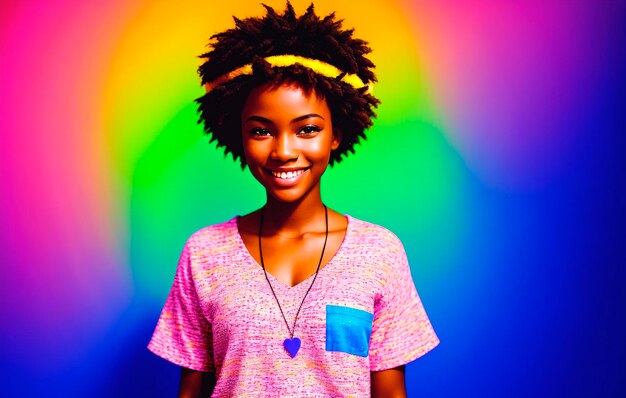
[(252, 261)]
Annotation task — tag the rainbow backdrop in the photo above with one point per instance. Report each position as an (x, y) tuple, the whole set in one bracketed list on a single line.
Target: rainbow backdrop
[(497, 158)]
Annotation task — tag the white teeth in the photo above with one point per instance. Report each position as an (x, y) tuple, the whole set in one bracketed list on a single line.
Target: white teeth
[(287, 175)]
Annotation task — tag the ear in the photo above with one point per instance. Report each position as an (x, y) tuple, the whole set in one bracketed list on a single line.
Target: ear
[(336, 139)]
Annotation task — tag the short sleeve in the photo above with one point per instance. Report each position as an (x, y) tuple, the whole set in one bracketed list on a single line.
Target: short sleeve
[(401, 330), (183, 334)]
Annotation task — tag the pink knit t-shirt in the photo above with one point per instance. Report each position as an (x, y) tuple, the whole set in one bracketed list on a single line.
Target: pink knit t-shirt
[(363, 314)]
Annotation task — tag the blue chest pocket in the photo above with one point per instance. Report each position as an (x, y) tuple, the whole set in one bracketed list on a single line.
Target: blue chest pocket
[(348, 330)]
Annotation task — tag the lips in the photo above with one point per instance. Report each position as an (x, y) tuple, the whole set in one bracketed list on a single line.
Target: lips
[(286, 177), (287, 174)]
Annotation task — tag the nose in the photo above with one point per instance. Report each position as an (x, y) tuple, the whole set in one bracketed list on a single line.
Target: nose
[(284, 148)]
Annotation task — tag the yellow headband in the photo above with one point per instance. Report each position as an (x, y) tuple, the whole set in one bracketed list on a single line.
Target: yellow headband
[(316, 65)]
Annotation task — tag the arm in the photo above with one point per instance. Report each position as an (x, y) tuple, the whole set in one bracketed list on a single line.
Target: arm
[(195, 384), (389, 383)]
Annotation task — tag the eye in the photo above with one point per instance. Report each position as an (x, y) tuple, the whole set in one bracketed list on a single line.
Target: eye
[(309, 129), (259, 132)]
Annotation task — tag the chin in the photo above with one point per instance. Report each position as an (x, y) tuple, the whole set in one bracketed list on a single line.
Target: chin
[(286, 197)]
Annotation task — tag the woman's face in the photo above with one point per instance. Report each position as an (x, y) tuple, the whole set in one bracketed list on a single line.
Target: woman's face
[(287, 140)]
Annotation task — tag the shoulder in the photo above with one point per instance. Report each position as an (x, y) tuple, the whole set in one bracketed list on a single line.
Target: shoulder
[(213, 237), (372, 235), (378, 249)]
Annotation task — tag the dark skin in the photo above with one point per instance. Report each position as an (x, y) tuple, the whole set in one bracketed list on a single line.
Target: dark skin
[(286, 129)]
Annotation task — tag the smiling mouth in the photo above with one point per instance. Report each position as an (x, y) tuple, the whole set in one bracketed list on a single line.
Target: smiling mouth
[(287, 175)]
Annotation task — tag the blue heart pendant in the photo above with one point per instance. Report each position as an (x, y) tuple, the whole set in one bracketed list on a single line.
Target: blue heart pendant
[(292, 346)]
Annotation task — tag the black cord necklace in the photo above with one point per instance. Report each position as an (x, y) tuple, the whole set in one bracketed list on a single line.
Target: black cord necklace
[(292, 344)]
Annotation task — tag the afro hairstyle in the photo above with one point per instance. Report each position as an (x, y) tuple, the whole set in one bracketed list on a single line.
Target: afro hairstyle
[(252, 39)]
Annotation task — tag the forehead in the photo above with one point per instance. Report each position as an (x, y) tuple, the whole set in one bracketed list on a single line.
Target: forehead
[(286, 99)]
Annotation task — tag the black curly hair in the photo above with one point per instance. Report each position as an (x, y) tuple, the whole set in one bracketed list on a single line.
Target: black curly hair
[(252, 39)]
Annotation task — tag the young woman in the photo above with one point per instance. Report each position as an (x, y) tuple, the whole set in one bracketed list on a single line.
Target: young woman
[(293, 299)]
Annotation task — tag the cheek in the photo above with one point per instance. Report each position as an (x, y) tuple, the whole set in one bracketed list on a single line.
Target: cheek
[(253, 161), (319, 149), (253, 150)]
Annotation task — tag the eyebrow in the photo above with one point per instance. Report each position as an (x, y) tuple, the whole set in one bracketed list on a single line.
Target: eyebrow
[(299, 118)]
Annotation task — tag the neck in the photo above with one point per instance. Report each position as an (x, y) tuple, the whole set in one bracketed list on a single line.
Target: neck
[(294, 218)]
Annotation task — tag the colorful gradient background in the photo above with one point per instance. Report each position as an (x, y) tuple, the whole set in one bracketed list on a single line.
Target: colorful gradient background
[(497, 157)]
